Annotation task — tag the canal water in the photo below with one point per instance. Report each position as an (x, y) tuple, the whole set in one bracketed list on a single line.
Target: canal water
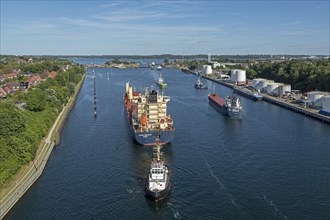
[(273, 164)]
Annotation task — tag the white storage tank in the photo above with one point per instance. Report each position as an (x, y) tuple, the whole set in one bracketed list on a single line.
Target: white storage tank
[(283, 89), (315, 95), (233, 76), (255, 82), (326, 103), (240, 76), (263, 84), (271, 88), (207, 69)]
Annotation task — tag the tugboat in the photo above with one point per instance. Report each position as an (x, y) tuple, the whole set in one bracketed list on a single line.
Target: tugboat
[(199, 84), (159, 183)]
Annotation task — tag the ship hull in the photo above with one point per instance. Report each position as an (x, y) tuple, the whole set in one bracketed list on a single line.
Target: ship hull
[(162, 85), (200, 87), (220, 108), (218, 103), (150, 138), (158, 195)]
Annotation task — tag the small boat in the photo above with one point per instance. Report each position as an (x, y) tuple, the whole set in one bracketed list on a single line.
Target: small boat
[(159, 183), (159, 67), (199, 84), (161, 83)]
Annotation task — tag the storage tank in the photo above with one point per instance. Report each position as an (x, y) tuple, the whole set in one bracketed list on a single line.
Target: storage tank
[(315, 95), (207, 69), (256, 82), (233, 76), (283, 89), (325, 105), (240, 76), (263, 84), (271, 88)]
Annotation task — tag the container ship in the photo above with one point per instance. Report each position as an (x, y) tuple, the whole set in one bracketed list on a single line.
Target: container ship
[(249, 93), (147, 116), (230, 106), (158, 181)]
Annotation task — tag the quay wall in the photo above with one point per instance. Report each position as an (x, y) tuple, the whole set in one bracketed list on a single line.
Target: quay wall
[(308, 112)]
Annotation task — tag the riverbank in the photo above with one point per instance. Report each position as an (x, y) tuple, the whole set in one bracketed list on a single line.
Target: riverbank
[(313, 113), (28, 174)]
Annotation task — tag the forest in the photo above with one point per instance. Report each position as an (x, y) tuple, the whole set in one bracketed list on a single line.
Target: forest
[(303, 75)]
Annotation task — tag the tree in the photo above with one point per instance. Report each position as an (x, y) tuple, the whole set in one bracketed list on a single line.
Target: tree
[(12, 120), (36, 100)]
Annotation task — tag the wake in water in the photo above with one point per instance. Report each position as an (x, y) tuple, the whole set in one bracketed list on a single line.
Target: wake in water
[(214, 176), (176, 214), (274, 206)]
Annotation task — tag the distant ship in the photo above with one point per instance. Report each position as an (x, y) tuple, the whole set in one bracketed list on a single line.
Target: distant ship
[(249, 93), (199, 84), (230, 106), (147, 116), (160, 82), (158, 181)]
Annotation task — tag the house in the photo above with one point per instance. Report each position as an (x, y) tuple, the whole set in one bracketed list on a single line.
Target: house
[(3, 93), (11, 75), (2, 77), (24, 85), (52, 74), (13, 85), (7, 89), (34, 80)]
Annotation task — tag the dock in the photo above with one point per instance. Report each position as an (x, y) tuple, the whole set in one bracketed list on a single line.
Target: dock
[(274, 100)]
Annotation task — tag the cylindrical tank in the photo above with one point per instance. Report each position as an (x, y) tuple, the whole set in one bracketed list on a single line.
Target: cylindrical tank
[(256, 82), (326, 103), (240, 76), (315, 95), (283, 89), (271, 88), (233, 76), (263, 85), (207, 69)]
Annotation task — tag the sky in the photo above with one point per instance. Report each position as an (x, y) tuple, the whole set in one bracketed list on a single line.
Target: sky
[(182, 27)]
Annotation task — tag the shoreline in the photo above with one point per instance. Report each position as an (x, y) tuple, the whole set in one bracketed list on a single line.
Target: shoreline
[(274, 100), (20, 183)]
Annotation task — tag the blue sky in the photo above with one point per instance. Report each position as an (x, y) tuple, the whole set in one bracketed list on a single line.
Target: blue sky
[(158, 27)]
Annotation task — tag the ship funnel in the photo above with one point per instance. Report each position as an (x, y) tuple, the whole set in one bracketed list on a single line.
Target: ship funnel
[(130, 93), (127, 86)]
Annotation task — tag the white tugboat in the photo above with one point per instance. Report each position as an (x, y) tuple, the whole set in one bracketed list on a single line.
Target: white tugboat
[(159, 184)]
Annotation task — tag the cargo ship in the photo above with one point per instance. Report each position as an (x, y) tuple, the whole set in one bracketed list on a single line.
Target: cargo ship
[(158, 181), (147, 116), (199, 84), (249, 93), (230, 106), (161, 83)]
